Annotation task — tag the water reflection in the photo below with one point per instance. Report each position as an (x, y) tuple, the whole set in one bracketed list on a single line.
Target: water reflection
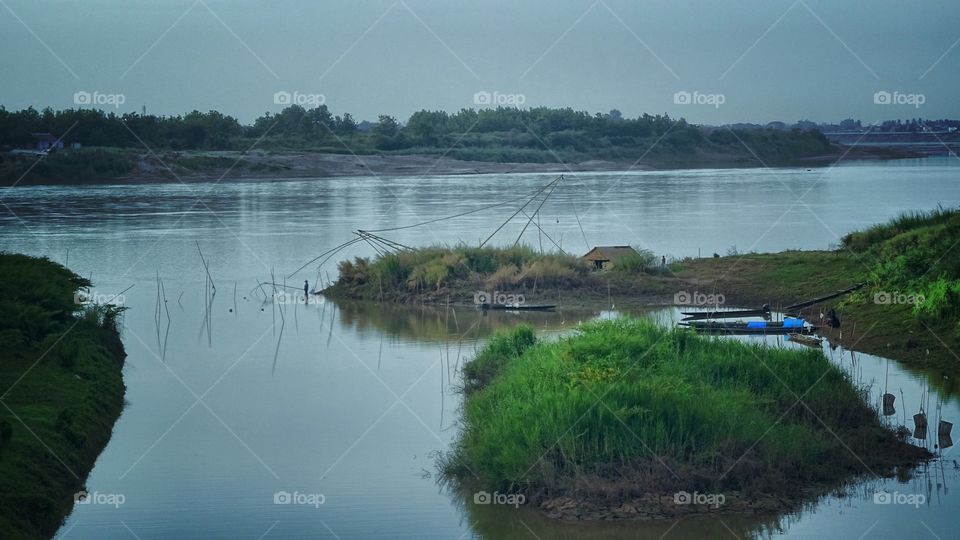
[(446, 324), (493, 521)]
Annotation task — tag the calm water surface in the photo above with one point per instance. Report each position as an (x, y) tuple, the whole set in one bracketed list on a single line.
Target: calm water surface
[(353, 401)]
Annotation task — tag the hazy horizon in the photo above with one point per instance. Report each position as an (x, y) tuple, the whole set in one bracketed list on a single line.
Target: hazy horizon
[(770, 61)]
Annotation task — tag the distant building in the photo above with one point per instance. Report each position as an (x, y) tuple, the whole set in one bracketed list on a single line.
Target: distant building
[(603, 257), (46, 141)]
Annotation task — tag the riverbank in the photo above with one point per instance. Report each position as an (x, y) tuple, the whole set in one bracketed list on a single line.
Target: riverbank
[(909, 310), (301, 143), (127, 166), (62, 387), (628, 420), (872, 320)]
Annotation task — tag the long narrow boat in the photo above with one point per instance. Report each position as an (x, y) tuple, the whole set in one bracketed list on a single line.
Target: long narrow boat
[(787, 326), (830, 296), (732, 314), (519, 307)]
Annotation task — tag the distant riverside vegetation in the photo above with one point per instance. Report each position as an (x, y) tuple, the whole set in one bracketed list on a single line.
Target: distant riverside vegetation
[(110, 142)]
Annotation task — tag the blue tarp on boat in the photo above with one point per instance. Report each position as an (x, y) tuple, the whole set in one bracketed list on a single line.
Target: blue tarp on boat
[(791, 322)]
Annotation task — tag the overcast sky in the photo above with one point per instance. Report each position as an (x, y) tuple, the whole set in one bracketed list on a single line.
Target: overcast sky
[(769, 59)]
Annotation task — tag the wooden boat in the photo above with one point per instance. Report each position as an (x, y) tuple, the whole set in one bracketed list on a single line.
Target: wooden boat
[(743, 330), (809, 341), (787, 326), (734, 314), (519, 307)]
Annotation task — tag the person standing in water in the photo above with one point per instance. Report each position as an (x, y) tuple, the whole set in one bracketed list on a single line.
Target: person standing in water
[(306, 290)]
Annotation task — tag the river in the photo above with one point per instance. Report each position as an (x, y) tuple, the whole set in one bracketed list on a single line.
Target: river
[(247, 419)]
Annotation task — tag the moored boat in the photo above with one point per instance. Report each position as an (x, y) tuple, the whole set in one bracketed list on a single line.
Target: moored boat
[(789, 325), (731, 314), (519, 307)]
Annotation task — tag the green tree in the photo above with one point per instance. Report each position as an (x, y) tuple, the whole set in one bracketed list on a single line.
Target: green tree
[(322, 123), (427, 126), (346, 125), (387, 126)]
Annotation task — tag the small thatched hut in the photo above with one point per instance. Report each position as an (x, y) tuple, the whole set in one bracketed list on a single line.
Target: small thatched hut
[(603, 257)]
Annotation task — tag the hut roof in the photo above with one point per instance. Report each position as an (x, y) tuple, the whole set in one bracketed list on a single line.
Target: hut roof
[(608, 253)]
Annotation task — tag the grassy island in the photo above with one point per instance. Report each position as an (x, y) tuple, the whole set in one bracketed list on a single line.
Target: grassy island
[(620, 418), (62, 390)]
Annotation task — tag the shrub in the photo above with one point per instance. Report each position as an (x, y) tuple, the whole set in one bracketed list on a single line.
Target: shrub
[(941, 298), (637, 261), (505, 275), (552, 271)]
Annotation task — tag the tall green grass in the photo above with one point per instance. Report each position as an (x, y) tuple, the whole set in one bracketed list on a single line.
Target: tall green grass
[(915, 254), (860, 241), (627, 395)]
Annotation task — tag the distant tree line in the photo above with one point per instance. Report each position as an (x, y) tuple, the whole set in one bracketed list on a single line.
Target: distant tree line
[(488, 134), (93, 127), (909, 125)]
